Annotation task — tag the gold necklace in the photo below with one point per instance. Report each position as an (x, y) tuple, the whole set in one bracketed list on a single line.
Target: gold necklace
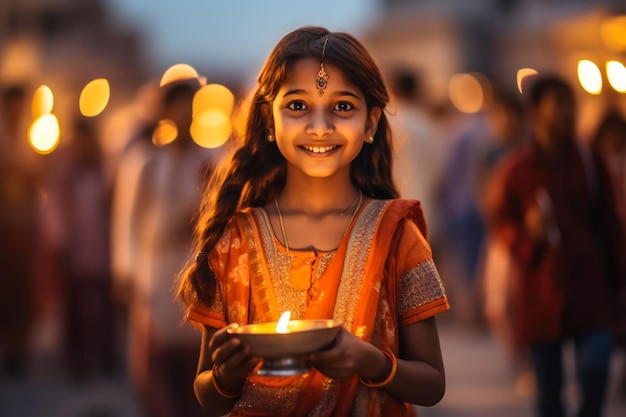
[(357, 198), (284, 231)]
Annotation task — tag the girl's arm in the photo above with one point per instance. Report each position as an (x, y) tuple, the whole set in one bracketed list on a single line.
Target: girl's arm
[(419, 377), (223, 367)]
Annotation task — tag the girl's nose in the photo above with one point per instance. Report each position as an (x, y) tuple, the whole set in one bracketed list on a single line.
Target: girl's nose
[(320, 124)]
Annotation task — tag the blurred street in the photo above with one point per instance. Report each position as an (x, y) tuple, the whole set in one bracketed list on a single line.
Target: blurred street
[(479, 383)]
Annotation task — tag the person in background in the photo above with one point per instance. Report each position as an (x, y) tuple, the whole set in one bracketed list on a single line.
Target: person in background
[(463, 227), (609, 141), (418, 148), (165, 192), (507, 130), (82, 196), (553, 206), (20, 230)]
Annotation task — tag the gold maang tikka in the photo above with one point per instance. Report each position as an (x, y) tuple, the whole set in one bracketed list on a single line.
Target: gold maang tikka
[(321, 79)]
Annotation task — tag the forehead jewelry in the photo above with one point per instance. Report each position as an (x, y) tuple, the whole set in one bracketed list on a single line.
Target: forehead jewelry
[(321, 79)]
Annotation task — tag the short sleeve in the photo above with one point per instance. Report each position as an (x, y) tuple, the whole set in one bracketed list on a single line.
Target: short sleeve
[(421, 293), (210, 316), (229, 262)]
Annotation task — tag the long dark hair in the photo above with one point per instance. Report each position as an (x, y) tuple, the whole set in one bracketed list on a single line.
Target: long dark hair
[(256, 171)]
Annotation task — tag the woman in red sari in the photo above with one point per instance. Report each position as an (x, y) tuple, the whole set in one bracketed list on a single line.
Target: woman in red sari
[(305, 217)]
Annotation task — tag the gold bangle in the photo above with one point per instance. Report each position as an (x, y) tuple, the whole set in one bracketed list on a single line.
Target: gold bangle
[(221, 391), (394, 367)]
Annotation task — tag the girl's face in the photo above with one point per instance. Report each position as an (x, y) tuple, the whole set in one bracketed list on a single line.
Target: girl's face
[(320, 135)]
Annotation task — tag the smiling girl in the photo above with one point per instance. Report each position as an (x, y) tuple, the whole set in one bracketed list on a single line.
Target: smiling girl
[(305, 217)]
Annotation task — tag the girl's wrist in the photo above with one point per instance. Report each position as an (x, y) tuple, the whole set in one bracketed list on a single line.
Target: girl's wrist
[(384, 378), (226, 393)]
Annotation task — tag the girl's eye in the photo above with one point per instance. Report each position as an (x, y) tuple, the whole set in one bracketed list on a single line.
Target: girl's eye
[(343, 106), (296, 106)]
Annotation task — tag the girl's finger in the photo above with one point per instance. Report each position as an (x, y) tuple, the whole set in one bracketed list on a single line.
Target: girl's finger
[(238, 356), (222, 345), (221, 336)]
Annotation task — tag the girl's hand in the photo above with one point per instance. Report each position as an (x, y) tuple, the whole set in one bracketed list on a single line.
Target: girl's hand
[(231, 358), (349, 355)]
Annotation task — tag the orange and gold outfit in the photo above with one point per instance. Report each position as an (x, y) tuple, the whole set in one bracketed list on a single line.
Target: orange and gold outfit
[(380, 278)]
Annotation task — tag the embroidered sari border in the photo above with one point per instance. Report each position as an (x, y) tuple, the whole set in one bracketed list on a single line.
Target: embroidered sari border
[(425, 311), (355, 264), (260, 291), (198, 319)]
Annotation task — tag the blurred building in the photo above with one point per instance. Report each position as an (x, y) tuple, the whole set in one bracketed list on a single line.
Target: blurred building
[(496, 38), (64, 44)]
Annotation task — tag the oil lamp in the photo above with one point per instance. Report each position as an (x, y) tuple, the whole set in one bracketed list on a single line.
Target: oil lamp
[(283, 346)]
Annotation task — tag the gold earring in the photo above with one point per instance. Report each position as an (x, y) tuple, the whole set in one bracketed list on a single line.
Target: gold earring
[(270, 138), (370, 140)]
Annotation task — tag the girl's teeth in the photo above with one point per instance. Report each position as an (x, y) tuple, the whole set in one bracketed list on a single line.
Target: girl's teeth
[(317, 149)]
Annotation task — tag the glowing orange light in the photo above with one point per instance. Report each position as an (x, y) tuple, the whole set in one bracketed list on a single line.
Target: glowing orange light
[(590, 77), (213, 96), (212, 117), (466, 92), (178, 72), (44, 133), (522, 76), (94, 97), (616, 73), (165, 132), (207, 132), (212, 110), (283, 322), (613, 33), (43, 101)]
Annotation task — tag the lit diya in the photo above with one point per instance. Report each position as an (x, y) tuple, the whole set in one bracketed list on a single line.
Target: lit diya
[(284, 345)]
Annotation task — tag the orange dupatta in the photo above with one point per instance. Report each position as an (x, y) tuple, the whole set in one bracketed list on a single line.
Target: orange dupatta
[(349, 290), (379, 222)]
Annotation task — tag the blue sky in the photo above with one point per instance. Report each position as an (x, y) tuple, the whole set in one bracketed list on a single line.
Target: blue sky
[(231, 34)]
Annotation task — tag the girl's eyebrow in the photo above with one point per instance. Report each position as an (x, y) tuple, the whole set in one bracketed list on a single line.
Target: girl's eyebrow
[(347, 93), (295, 92), (336, 93)]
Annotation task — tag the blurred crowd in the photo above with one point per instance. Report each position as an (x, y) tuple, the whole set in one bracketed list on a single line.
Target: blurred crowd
[(93, 251)]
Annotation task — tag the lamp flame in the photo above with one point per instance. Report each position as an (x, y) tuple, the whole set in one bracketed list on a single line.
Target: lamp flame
[(283, 322)]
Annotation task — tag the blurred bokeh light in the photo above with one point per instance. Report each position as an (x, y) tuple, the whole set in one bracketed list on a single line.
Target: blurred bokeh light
[(94, 97), (211, 130), (44, 134), (178, 72), (468, 92), (165, 132), (522, 76), (213, 96), (613, 32), (212, 110), (589, 76), (43, 101), (616, 74)]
